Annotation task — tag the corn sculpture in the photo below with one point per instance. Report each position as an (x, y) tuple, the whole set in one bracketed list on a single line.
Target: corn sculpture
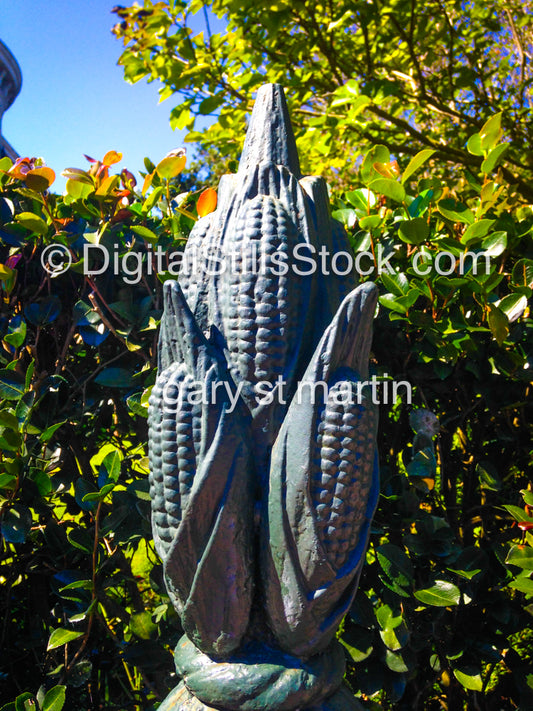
[(262, 438)]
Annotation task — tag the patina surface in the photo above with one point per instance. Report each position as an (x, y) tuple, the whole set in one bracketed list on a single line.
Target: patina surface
[(263, 481)]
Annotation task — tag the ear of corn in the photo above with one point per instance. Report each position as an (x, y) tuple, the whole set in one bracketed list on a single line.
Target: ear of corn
[(262, 305), (342, 474), (201, 485), (323, 487)]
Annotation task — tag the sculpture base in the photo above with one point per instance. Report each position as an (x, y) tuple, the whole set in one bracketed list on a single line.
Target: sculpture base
[(259, 678), (181, 699)]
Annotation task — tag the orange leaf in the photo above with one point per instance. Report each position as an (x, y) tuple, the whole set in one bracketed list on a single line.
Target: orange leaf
[(207, 202), (147, 182), (40, 179), (388, 170), (112, 157)]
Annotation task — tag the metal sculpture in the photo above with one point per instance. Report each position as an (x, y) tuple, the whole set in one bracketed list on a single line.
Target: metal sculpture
[(262, 439)]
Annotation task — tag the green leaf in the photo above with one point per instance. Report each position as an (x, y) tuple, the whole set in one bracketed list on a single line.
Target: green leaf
[(114, 378), (145, 233), (396, 662), (5, 164), (527, 496), (8, 419), (16, 524), (347, 216), (388, 187), (32, 222), (414, 231), (207, 106), (25, 702), (361, 199), (455, 211), (377, 154), (442, 594), (490, 132), (517, 513), (50, 431), (81, 539), (135, 404), (180, 118), (54, 699), (522, 274), (79, 190), (16, 333), (469, 677), (494, 158), (498, 324), (108, 186), (112, 465), (7, 481), (495, 244), (476, 231), (171, 166), (142, 626), (469, 564), (396, 564), (152, 200), (390, 301), (395, 637), (369, 222), (396, 283), (362, 611), (60, 637), (513, 306), (416, 162), (421, 202), (42, 481), (473, 145), (12, 385), (488, 476), (359, 642), (99, 495), (521, 556), (386, 618), (423, 464), (25, 406), (524, 585), (79, 175), (145, 397), (43, 312)]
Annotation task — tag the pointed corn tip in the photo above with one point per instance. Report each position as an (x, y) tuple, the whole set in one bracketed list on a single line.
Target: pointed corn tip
[(350, 332), (182, 333), (359, 317), (270, 137)]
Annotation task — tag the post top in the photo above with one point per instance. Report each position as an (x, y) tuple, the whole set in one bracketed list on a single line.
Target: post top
[(270, 137)]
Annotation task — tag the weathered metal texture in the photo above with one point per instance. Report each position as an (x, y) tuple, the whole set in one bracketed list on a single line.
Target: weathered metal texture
[(182, 699), (261, 505)]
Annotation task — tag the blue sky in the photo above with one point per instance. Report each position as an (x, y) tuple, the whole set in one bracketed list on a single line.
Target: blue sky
[(73, 98)]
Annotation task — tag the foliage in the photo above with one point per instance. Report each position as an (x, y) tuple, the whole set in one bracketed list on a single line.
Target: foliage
[(444, 605), (396, 72), (444, 608), (81, 586), (52, 700)]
